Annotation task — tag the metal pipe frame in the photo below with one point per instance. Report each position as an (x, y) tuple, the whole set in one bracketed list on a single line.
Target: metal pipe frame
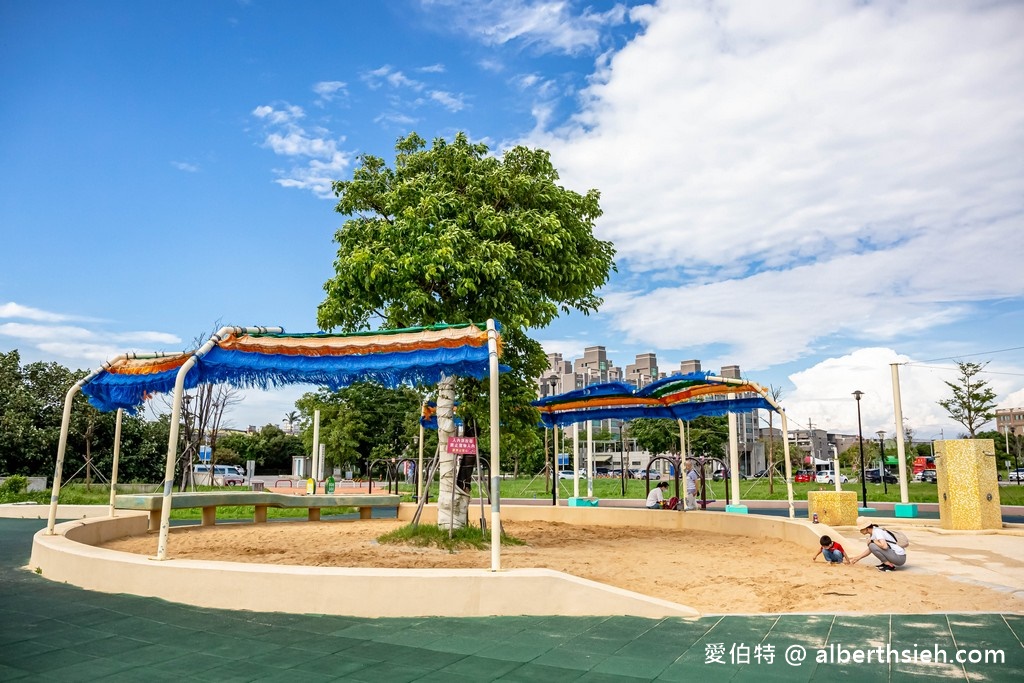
[(65, 424), (172, 439)]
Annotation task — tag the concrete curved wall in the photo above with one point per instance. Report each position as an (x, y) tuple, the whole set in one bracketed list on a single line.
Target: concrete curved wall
[(70, 556)]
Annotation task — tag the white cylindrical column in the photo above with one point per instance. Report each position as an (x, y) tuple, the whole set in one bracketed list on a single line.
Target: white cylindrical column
[(734, 459), (901, 451), (789, 465), (576, 459), (117, 456), (590, 458), (492, 352), (314, 460)]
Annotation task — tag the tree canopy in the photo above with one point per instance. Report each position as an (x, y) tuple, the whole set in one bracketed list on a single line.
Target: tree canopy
[(453, 235), (31, 406), (973, 400)]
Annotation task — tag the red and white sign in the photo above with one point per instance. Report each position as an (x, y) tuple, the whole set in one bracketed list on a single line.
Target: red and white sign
[(465, 445)]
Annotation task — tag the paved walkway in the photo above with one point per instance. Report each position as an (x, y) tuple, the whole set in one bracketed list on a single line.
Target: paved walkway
[(51, 631)]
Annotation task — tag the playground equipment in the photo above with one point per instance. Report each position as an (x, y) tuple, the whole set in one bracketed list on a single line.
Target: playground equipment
[(267, 357), (681, 397)]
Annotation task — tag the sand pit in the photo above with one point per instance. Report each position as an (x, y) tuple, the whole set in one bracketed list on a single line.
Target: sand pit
[(712, 573)]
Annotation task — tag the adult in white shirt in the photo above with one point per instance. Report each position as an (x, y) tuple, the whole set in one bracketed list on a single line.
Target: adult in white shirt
[(691, 486), (882, 545), (656, 498)]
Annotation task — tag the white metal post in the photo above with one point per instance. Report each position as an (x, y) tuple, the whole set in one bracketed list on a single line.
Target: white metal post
[(554, 486), (419, 467), (172, 439), (590, 458), (492, 353), (901, 451), (789, 465), (65, 423), (576, 459), (734, 459), (117, 456), (836, 472), (314, 461), (62, 443)]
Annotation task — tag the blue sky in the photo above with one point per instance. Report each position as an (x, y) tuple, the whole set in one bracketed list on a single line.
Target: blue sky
[(810, 190)]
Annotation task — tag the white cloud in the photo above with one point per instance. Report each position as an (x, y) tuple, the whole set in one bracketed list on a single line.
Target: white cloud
[(319, 161), (328, 90), (824, 392), (317, 176), (808, 171), (396, 79), (297, 143), (158, 339), (448, 100), (15, 310), (36, 332), (185, 166), (288, 114), (548, 26), (77, 345), (432, 69), (570, 349), (395, 119)]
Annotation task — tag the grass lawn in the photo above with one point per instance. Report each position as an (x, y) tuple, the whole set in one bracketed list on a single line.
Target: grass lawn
[(750, 489), (527, 487)]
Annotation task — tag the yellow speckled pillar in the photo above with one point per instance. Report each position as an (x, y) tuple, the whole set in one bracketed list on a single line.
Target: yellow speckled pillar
[(967, 484), (835, 508)]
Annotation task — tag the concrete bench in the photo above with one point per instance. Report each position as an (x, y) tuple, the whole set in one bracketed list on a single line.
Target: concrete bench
[(210, 501)]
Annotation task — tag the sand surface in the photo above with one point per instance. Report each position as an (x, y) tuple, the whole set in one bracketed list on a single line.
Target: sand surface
[(712, 573)]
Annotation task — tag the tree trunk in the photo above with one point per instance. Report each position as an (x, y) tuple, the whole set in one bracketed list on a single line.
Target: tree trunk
[(452, 502)]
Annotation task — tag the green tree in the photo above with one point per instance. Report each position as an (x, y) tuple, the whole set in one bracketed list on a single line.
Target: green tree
[(452, 234), (709, 435), (362, 422), (655, 436), (973, 401)]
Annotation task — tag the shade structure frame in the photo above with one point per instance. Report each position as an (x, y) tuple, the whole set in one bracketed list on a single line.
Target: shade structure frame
[(679, 397)]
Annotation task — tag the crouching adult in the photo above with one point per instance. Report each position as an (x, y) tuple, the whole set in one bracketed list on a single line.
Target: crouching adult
[(882, 544)]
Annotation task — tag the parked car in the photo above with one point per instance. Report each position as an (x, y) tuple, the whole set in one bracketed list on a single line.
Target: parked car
[(230, 474), (1016, 475), (720, 474), (829, 477), (929, 476), (875, 477), (567, 474), (804, 476)]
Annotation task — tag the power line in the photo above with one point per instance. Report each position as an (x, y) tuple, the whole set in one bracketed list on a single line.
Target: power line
[(964, 355), (980, 372)]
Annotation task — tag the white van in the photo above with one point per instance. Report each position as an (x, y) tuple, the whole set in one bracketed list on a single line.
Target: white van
[(223, 475)]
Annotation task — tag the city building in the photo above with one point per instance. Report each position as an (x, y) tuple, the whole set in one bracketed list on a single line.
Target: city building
[(1010, 420)]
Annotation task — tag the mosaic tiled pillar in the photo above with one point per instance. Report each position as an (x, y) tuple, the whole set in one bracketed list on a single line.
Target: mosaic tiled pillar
[(835, 508), (967, 484)]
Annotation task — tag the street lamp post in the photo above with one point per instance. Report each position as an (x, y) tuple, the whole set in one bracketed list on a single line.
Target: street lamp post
[(860, 441), (881, 452)]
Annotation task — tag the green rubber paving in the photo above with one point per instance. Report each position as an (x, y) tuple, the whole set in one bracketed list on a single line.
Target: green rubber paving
[(55, 632)]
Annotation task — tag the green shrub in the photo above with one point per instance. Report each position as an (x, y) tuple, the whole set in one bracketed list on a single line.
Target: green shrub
[(13, 488)]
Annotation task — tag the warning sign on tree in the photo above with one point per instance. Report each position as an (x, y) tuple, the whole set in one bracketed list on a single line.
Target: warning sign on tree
[(465, 445)]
